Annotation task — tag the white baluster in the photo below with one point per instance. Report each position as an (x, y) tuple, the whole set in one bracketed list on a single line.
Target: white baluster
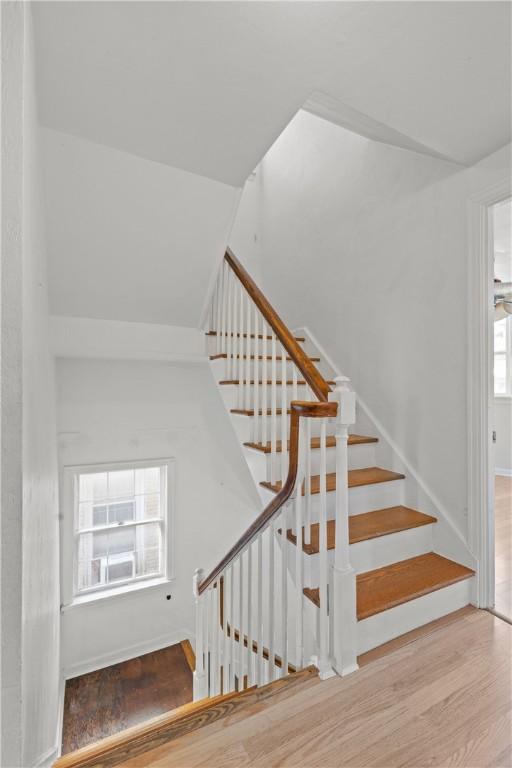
[(307, 484), (223, 312), (218, 311), (256, 405), (241, 346), (284, 593), (299, 557), (232, 627), (259, 625), (226, 652), (273, 418), (230, 340), (284, 415), (249, 653), (271, 595), (248, 348), (344, 579), (324, 667), (240, 622), (214, 651), (200, 680), (264, 399)]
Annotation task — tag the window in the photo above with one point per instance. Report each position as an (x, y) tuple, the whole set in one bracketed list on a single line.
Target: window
[(118, 527), (503, 357)]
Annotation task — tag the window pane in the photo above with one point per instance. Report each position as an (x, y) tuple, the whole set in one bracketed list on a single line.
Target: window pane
[(121, 512), (500, 335), (500, 374), (99, 515), (148, 562), (147, 480), (121, 483), (93, 487), (122, 570)]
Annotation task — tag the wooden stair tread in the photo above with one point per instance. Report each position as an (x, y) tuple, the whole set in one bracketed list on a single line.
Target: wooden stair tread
[(160, 730), (279, 359), (369, 525), (356, 477), (401, 582), (278, 383), (315, 443), (252, 336)]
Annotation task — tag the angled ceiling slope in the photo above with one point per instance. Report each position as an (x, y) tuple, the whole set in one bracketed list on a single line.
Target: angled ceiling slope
[(208, 86)]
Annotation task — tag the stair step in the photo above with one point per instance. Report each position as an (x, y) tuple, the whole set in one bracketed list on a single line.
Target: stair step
[(158, 731), (252, 336), (356, 477), (369, 525), (279, 359), (315, 443), (401, 582), (268, 383)]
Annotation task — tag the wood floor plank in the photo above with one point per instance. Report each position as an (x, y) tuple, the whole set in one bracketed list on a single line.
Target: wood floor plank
[(419, 706), (356, 477), (503, 545), (369, 525), (109, 700)]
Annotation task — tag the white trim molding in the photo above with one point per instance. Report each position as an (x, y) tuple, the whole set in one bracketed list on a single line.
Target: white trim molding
[(480, 321)]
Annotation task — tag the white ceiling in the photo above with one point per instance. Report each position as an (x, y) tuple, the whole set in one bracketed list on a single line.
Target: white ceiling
[(129, 239), (208, 86)]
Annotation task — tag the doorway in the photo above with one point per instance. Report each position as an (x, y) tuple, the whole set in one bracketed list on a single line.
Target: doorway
[(501, 214)]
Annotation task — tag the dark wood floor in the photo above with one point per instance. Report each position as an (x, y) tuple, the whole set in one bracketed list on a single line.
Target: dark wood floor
[(107, 701)]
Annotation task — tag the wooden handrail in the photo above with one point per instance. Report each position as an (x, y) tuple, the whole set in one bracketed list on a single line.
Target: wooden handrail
[(310, 372), (298, 409)]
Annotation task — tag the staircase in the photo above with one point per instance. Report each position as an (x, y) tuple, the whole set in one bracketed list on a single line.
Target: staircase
[(365, 570), (338, 562)]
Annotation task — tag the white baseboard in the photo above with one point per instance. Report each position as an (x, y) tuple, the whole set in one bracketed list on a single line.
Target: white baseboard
[(503, 471), (85, 666)]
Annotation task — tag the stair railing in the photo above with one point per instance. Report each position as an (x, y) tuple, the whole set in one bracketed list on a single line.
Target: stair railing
[(248, 630)]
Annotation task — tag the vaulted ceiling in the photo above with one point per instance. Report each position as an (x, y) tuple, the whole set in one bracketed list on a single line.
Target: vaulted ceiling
[(208, 86)]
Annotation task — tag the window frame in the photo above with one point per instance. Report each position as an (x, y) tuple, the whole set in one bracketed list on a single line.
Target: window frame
[(507, 354), (71, 534)]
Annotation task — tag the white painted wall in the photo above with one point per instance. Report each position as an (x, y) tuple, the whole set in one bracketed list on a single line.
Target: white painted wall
[(30, 553), (121, 410), (503, 427), (364, 244), (115, 340), (128, 238)]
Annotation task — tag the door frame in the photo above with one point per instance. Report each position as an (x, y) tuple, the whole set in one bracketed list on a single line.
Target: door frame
[(480, 404)]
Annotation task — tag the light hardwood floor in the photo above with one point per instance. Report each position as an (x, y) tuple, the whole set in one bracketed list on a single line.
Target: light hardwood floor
[(503, 544), (443, 700)]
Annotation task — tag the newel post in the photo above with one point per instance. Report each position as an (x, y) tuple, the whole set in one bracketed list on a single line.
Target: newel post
[(343, 602), (199, 678)]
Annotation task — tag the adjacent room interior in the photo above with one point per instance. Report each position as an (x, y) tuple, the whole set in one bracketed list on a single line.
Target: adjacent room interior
[(502, 221)]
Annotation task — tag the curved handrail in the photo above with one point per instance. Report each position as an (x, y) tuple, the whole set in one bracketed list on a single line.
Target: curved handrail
[(298, 409), (310, 372)]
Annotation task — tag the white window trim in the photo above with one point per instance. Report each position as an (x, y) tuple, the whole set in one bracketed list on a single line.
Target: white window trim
[(70, 595)]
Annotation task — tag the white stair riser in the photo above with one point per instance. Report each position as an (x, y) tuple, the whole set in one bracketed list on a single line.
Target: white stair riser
[(359, 456), (394, 622), (365, 498), (255, 347), (374, 553), (234, 397)]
